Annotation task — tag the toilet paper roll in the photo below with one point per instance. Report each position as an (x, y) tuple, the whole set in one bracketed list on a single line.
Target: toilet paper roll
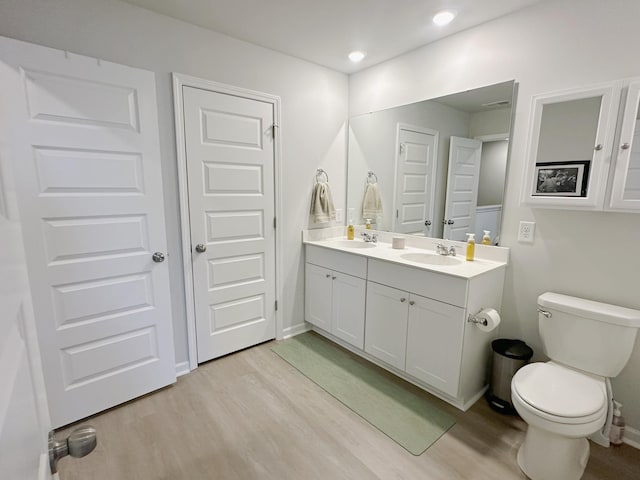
[(488, 319)]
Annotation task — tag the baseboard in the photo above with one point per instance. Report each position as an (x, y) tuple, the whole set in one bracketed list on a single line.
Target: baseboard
[(43, 468), (182, 368), (632, 437), (295, 330)]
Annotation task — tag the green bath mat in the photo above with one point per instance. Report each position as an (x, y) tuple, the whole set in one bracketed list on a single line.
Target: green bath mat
[(397, 412)]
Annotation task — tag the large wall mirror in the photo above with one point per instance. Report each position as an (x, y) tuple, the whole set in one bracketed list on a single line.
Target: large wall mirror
[(435, 168)]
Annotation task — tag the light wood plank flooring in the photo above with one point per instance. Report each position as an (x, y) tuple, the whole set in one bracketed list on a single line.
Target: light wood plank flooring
[(251, 415)]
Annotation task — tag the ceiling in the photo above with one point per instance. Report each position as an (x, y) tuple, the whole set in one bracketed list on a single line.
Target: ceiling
[(325, 31)]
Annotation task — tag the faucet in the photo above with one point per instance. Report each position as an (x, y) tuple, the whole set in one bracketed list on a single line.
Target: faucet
[(442, 249), (370, 237)]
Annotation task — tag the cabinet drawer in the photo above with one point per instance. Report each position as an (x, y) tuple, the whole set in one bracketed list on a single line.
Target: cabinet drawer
[(339, 261), (441, 287)]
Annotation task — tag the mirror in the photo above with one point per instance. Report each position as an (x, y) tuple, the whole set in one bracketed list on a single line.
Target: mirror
[(435, 168)]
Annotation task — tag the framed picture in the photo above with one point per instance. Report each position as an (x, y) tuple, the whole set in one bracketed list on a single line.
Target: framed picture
[(562, 179)]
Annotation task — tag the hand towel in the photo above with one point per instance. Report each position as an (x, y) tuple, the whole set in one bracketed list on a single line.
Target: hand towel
[(322, 207), (372, 203)]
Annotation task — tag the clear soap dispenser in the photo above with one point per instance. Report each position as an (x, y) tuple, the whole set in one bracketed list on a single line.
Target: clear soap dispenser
[(471, 246), (486, 238), (350, 230)]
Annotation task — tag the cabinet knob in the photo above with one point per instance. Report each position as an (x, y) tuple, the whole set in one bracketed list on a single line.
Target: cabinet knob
[(328, 275), (625, 146), (403, 299), (598, 147), (333, 278), (411, 302)]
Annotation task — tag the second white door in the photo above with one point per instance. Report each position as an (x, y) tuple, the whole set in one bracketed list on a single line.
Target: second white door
[(230, 171)]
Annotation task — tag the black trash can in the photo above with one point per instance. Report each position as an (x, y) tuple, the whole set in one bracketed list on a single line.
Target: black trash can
[(508, 356)]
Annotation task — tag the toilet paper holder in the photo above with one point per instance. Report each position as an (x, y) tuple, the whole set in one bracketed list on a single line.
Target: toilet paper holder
[(477, 321), (485, 318)]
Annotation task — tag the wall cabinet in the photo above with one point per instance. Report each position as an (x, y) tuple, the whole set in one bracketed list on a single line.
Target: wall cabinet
[(409, 320), (581, 152), (334, 300)]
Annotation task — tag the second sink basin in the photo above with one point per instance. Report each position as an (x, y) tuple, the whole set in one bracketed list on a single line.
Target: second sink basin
[(431, 259), (353, 244)]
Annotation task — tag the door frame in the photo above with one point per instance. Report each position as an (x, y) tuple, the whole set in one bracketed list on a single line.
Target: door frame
[(182, 80)]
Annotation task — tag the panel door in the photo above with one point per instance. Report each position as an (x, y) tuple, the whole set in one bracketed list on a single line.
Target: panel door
[(434, 343), (230, 169), (415, 177), (462, 188), (348, 308), (24, 420), (386, 325), (625, 193), (318, 284), (84, 141)]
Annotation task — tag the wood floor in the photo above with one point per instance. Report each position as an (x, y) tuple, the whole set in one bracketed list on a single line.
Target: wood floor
[(251, 415)]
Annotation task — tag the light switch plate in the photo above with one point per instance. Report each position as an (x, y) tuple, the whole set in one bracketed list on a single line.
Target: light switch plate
[(339, 215), (526, 232)]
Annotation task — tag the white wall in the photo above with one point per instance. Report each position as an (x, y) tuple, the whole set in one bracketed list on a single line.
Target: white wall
[(551, 46), (314, 108)]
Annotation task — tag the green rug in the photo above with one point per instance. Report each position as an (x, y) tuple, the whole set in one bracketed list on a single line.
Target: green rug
[(394, 410)]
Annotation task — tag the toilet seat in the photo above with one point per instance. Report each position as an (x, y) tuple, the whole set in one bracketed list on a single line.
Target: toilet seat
[(560, 394)]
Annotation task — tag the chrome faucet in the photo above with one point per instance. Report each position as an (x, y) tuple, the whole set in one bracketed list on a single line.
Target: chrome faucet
[(442, 249), (370, 237)]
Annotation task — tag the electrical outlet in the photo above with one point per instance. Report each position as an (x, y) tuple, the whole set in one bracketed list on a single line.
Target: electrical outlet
[(339, 215), (526, 232)]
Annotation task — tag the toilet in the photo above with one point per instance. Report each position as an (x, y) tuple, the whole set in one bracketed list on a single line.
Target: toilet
[(567, 399)]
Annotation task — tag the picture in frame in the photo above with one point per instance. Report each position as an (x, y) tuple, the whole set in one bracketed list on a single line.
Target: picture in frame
[(562, 179)]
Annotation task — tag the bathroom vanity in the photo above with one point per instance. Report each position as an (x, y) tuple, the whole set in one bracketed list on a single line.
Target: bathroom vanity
[(407, 310)]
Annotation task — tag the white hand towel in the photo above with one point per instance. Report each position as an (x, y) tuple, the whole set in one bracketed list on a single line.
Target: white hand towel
[(372, 203), (322, 207)]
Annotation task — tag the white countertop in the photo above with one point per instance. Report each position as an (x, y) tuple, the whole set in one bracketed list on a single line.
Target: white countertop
[(384, 251)]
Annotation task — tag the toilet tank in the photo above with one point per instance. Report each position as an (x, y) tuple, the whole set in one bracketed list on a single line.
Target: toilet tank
[(590, 336)]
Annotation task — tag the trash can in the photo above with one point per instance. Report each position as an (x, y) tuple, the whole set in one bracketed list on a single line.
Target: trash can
[(508, 356)]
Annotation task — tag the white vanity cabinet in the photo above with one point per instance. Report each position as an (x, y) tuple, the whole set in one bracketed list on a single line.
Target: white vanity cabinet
[(581, 152), (410, 320), (335, 288)]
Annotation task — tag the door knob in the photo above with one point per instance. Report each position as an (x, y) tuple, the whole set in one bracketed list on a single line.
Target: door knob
[(427, 223), (201, 248), (448, 222), (403, 299), (625, 146), (158, 257), (598, 147), (79, 443)]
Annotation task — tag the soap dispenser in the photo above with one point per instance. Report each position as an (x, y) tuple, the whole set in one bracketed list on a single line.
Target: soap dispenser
[(350, 230), (486, 238), (471, 246), (616, 434)]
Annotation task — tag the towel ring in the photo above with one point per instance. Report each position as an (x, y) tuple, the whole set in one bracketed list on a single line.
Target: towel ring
[(372, 176), (320, 172)]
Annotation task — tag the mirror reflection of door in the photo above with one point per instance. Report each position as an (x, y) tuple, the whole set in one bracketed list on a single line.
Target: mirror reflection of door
[(462, 188), (415, 179)]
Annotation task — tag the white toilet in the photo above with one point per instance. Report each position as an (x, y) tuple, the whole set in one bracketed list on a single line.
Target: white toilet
[(566, 399)]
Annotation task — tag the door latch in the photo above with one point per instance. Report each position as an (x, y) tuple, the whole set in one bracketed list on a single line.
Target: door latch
[(79, 443)]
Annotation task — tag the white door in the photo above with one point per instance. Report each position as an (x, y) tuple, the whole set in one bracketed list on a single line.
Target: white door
[(318, 293), (83, 138), (230, 170), (415, 179), (462, 188), (347, 316), (24, 420), (386, 325), (434, 343)]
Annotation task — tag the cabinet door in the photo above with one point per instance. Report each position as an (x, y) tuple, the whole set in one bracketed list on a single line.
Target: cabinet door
[(434, 343), (348, 308), (386, 325), (318, 296), (625, 191), (570, 142)]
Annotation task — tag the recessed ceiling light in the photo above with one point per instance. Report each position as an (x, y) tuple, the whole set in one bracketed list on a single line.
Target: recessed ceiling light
[(443, 18), (356, 56)]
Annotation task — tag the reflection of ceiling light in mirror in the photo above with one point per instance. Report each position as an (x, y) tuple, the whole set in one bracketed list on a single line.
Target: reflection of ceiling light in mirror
[(443, 18), (356, 56)]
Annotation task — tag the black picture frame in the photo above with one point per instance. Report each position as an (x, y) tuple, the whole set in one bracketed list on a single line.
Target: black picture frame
[(562, 179)]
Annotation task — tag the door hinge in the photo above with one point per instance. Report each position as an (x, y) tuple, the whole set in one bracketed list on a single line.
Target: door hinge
[(397, 213), (273, 129), (274, 222), (276, 305)]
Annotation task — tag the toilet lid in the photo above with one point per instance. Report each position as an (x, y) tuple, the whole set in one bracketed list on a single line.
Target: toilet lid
[(559, 391)]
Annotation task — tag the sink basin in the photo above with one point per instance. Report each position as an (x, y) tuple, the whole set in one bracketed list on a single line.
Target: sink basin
[(352, 244), (431, 259)]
